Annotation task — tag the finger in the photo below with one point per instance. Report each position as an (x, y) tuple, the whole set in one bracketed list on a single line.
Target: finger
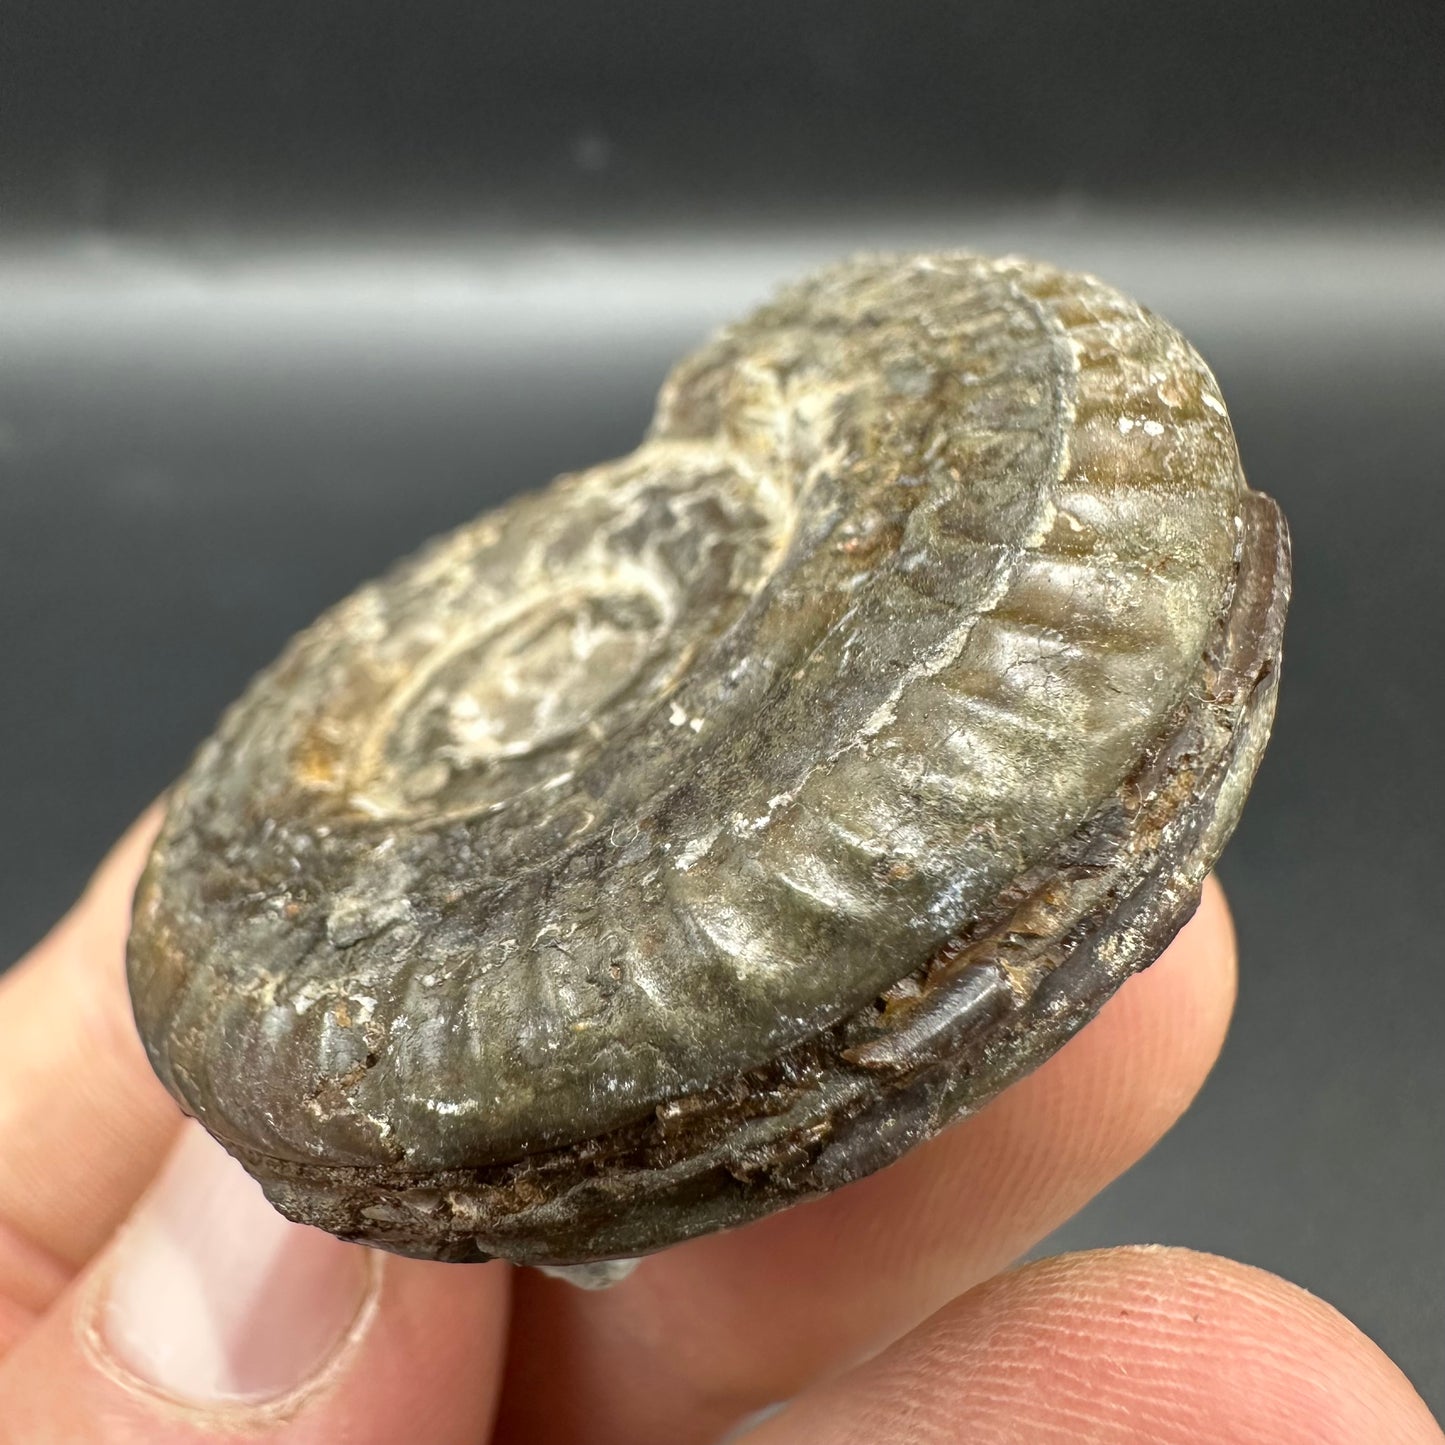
[(1120, 1347), (710, 1331), (83, 1121), (211, 1317)]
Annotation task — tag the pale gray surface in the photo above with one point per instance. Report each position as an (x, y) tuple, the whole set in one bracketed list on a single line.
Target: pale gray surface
[(201, 449)]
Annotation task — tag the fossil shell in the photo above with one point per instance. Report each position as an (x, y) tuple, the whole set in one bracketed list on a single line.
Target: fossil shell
[(700, 833)]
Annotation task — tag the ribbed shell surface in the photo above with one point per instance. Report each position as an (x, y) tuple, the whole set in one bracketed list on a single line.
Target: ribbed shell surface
[(623, 789)]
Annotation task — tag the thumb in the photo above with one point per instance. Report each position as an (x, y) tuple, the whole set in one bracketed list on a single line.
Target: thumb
[(209, 1315)]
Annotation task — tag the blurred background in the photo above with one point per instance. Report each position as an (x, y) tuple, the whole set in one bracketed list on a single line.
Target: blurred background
[(285, 289)]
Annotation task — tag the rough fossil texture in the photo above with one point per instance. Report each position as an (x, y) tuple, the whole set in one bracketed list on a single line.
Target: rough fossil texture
[(700, 833)]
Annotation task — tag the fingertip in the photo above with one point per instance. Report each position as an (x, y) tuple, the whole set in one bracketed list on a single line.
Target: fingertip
[(1195, 981), (1118, 1346), (211, 1315), (86, 1120), (1143, 1060), (1050, 1142), (107, 897)]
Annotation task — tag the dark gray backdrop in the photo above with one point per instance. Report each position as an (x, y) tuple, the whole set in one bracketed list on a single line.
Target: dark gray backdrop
[(285, 289)]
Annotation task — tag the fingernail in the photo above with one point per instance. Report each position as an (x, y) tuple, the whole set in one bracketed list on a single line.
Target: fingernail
[(214, 1297)]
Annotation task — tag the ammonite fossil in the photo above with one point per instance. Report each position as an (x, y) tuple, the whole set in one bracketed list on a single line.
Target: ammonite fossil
[(702, 832)]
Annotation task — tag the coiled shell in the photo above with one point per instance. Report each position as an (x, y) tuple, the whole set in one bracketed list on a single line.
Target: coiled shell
[(699, 833)]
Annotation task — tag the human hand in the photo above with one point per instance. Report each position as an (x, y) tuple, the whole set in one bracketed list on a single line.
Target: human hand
[(149, 1294)]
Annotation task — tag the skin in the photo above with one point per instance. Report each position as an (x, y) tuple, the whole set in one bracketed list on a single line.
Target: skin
[(886, 1312)]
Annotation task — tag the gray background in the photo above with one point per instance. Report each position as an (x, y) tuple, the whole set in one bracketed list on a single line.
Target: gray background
[(284, 290)]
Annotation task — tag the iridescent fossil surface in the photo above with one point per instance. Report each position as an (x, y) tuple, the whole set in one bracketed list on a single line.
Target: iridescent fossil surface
[(700, 833)]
